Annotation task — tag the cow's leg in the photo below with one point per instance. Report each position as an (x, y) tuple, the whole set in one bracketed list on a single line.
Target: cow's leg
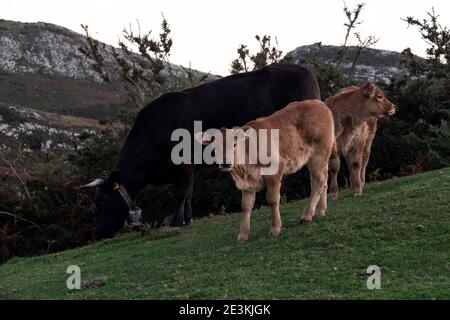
[(182, 183), (248, 200), (273, 184), (321, 207), (188, 202), (335, 165), (364, 162), (354, 163), (318, 170), (372, 129)]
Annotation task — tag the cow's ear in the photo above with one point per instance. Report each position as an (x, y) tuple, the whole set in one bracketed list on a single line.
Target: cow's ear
[(204, 138), (369, 89), (114, 179)]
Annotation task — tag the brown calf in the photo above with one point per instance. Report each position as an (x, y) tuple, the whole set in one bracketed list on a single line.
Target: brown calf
[(306, 136), (356, 112)]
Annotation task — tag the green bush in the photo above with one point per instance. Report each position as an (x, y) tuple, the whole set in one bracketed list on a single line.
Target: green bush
[(418, 135), (42, 210)]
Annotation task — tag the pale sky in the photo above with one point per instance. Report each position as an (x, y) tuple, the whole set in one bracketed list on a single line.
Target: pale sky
[(207, 33)]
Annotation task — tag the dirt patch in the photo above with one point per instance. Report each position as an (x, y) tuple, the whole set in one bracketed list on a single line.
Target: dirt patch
[(93, 282)]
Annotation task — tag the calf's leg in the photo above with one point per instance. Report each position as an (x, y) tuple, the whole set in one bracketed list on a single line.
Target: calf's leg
[(354, 163), (335, 165), (372, 129), (248, 200), (318, 170), (273, 184), (365, 161), (321, 207)]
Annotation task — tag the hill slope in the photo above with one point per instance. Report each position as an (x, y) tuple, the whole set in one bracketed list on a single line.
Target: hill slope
[(41, 67), (45, 48), (401, 225)]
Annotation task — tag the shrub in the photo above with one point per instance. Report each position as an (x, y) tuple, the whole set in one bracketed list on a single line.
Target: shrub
[(41, 208), (417, 137)]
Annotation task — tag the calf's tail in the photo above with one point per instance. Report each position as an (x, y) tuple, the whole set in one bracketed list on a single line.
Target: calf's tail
[(334, 151)]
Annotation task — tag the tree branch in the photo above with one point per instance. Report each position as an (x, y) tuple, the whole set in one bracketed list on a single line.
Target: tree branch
[(20, 218)]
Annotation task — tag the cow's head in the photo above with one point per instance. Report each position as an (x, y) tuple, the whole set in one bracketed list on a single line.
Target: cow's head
[(111, 209), (375, 103), (225, 143)]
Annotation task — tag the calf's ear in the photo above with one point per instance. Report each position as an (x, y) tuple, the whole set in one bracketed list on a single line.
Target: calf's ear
[(369, 89), (204, 138)]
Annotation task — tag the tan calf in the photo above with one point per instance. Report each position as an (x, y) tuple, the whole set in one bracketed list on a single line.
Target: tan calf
[(356, 112), (306, 136)]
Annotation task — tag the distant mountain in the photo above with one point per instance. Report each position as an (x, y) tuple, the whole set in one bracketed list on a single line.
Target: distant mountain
[(49, 94), (374, 64), (44, 48), (41, 67)]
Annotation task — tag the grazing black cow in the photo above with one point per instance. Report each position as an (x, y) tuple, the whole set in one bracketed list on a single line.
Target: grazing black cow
[(226, 102)]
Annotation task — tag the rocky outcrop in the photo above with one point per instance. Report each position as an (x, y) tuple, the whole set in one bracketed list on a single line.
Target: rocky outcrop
[(374, 64), (43, 48)]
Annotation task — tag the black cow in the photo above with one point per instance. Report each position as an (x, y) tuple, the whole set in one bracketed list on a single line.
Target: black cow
[(226, 102)]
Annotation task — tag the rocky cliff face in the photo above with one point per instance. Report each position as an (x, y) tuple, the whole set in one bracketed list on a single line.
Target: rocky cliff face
[(42, 48), (374, 64), (41, 67), (49, 93)]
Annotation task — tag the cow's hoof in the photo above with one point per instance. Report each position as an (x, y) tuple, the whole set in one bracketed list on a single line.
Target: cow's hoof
[(333, 196), (357, 194), (240, 242), (242, 238), (320, 214), (172, 229), (188, 222), (139, 228), (177, 224), (305, 221), (275, 232)]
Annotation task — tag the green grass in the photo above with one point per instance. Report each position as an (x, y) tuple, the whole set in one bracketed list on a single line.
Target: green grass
[(401, 225)]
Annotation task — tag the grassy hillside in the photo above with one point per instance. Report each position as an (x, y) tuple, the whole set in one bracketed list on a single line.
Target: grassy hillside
[(63, 95), (401, 225)]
